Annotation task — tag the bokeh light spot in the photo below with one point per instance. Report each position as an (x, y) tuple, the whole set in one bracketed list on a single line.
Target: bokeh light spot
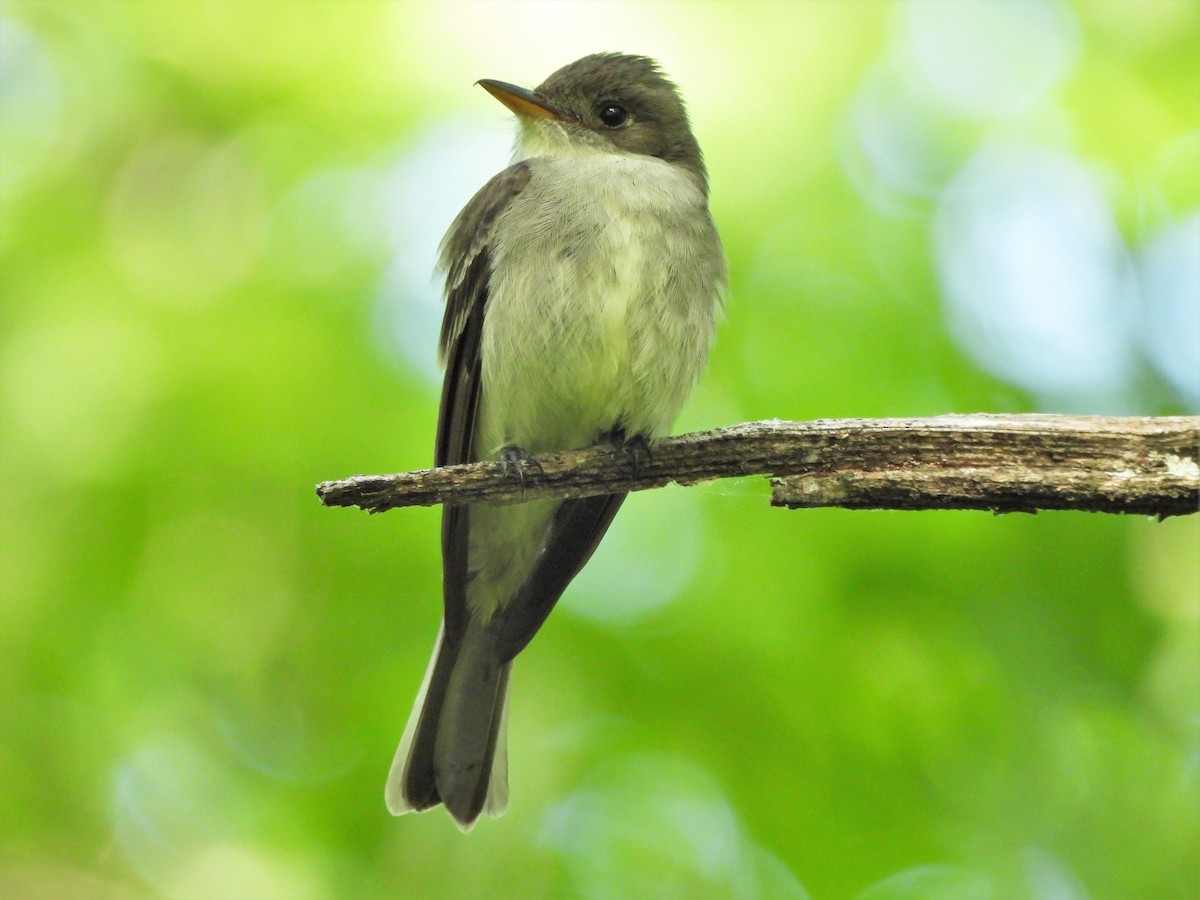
[(281, 732), (171, 820), (898, 150), (1169, 272), (166, 805), (326, 224), (988, 57), (424, 192), (75, 392), (30, 105), (186, 219), (1036, 278), (932, 883), (243, 870), (645, 561), (231, 616), (659, 826)]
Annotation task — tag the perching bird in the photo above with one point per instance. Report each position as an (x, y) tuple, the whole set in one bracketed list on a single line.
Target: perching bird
[(583, 286)]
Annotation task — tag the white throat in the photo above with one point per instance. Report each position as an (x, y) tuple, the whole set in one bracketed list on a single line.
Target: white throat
[(545, 137)]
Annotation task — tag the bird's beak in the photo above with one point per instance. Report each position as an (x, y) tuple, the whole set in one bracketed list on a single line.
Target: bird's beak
[(521, 101)]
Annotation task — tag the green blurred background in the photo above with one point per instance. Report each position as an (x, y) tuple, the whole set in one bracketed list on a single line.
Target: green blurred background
[(217, 225)]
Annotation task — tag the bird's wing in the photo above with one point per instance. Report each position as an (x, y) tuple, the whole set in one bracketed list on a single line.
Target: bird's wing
[(575, 531), (464, 257), (577, 525), (466, 260)]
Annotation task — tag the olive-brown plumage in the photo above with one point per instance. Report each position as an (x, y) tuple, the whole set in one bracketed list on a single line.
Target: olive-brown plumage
[(583, 284)]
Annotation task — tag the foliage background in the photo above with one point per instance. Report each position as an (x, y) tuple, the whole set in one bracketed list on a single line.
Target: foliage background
[(217, 221)]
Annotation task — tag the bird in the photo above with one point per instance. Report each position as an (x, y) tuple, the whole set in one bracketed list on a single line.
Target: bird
[(583, 287)]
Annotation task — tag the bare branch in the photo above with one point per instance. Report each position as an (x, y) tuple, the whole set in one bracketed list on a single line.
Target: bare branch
[(1003, 463)]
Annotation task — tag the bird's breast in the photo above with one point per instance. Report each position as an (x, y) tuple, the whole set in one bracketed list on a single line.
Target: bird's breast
[(602, 301)]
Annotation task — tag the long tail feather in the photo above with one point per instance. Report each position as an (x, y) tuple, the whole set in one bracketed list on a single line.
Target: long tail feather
[(454, 748)]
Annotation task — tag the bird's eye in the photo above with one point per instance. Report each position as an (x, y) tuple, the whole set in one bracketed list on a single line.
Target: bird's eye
[(613, 114)]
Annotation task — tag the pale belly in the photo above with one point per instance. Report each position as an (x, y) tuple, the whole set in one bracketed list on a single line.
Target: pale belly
[(601, 320), (605, 289)]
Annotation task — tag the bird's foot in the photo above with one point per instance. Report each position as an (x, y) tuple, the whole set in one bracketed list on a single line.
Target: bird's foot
[(637, 447), (513, 461)]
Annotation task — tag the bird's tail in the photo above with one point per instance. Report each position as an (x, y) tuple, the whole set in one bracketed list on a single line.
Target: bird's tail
[(454, 749)]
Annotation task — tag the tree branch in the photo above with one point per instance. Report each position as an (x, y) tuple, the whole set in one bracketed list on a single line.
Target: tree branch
[(1003, 463)]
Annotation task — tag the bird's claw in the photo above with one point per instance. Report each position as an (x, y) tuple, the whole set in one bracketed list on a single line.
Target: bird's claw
[(636, 447), (513, 461)]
